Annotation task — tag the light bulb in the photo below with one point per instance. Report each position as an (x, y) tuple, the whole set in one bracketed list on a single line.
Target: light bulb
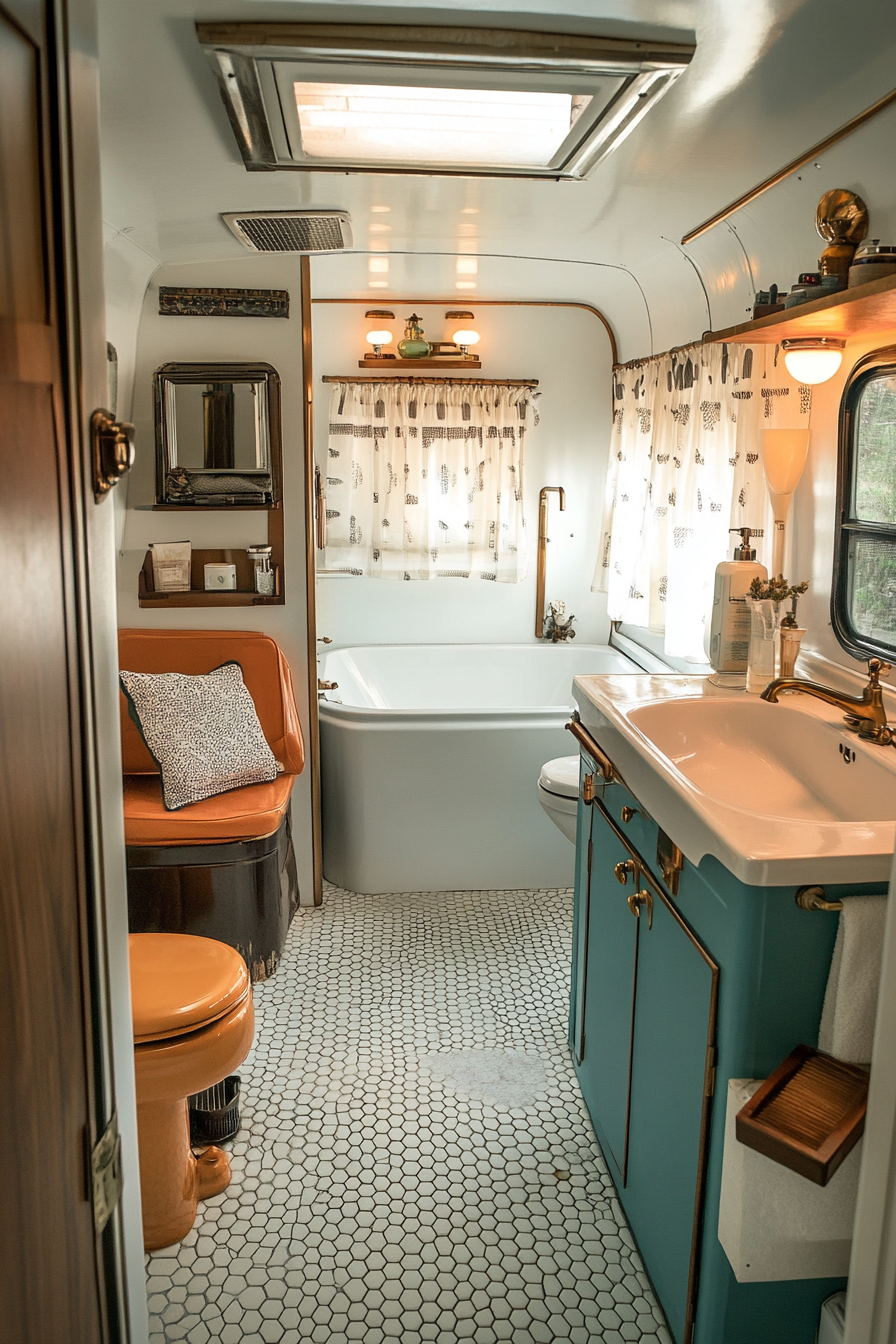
[(813, 360), (466, 337), (378, 337)]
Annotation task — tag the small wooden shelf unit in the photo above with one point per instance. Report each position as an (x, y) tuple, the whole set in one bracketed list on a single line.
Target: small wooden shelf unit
[(851, 312), (244, 595), (449, 362)]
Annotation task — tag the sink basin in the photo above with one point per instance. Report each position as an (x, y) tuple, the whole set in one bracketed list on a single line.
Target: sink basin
[(753, 756), (780, 794)]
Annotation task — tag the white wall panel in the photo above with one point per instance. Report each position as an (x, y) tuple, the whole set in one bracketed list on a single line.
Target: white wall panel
[(567, 350)]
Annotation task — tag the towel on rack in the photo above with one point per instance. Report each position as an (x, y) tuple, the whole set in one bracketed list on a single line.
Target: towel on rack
[(850, 1001)]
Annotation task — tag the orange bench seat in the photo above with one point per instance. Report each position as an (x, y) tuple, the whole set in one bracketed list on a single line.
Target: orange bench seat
[(248, 813)]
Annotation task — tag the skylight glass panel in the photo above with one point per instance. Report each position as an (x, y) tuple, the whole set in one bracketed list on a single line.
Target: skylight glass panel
[(376, 123)]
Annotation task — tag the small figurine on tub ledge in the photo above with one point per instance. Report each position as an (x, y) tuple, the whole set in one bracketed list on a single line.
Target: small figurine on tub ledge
[(556, 628)]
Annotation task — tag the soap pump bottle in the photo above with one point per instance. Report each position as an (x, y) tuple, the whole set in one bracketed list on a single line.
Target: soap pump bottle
[(729, 637)]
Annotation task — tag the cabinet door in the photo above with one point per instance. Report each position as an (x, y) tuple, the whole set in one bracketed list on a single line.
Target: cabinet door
[(672, 1078), (611, 958)]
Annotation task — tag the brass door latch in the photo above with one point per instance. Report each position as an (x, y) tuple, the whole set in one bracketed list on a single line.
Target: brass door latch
[(670, 861), (637, 900), (623, 869), (112, 449), (627, 813), (588, 789)]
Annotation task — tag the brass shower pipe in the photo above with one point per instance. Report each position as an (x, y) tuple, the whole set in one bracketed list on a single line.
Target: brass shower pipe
[(543, 551)]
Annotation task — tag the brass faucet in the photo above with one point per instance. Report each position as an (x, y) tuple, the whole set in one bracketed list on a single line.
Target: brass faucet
[(867, 713), (543, 552)]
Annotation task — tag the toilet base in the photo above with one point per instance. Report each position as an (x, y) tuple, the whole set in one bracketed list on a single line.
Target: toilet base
[(172, 1180)]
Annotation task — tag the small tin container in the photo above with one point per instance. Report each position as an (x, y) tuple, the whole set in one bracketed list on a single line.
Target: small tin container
[(874, 260)]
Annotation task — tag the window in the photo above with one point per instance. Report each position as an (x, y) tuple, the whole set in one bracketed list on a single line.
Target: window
[(424, 480), (476, 101), (864, 596)]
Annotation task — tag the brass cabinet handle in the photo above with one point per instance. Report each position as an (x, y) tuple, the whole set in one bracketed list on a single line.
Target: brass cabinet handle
[(623, 869), (639, 898), (628, 813)]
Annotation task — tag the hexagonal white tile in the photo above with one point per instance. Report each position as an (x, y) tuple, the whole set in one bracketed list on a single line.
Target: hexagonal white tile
[(379, 1194)]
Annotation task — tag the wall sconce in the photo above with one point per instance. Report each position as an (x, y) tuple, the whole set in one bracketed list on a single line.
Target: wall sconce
[(464, 336), (784, 453), (813, 359), (379, 335)]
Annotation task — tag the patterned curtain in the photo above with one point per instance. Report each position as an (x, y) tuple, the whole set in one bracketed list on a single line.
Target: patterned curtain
[(684, 468), (425, 481)]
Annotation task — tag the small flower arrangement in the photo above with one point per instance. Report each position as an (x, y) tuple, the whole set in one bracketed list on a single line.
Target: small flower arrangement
[(779, 590)]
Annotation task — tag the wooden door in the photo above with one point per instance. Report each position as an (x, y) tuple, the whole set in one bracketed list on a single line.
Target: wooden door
[(53, 1287)]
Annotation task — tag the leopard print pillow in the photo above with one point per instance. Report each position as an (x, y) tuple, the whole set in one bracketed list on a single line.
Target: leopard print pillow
[(203, 732)]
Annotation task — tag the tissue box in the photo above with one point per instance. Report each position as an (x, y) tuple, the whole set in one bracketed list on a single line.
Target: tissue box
[(220, 577)]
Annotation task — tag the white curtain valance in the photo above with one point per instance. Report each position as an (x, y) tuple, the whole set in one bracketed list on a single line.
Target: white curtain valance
[(425, 481), (684, 468)]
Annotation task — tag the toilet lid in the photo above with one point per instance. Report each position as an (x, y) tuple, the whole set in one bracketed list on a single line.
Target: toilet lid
[(561, 776), (180, 983)]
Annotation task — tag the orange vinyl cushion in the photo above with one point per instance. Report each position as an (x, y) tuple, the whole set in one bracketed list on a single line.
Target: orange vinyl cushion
[(180, 983), (242, 814), (265, 672)]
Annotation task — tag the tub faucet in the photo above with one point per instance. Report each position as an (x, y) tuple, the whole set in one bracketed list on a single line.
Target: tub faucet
[(540, 614), (866, 714)]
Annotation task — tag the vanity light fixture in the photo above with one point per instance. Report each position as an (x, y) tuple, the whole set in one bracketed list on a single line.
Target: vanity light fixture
[(465, 338), (813, 359), (378, 339)]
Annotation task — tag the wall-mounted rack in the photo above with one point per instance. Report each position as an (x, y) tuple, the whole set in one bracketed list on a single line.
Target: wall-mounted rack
[(244, 595), (852, 312), (448, 362)]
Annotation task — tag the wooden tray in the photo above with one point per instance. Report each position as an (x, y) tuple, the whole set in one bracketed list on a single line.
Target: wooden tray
[(808, 1115)]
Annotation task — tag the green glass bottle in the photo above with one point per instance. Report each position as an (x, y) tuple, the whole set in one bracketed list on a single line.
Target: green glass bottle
[(414, 346)]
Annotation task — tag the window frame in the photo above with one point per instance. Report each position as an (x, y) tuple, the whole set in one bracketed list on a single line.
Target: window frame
[(245, 58), (876, 364)]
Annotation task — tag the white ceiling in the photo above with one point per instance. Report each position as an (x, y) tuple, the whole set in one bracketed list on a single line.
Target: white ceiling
[(769, 79)]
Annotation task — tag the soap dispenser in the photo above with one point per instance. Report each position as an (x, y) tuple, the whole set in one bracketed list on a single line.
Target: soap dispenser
[(729, 637)]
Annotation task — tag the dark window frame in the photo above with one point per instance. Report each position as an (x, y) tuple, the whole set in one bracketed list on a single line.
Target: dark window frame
[(874, 365)]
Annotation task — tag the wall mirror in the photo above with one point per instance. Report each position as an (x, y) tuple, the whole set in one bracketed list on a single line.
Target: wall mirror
[(217, 436)]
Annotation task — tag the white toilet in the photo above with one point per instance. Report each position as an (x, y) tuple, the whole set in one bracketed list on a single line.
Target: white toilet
[(558, 792)]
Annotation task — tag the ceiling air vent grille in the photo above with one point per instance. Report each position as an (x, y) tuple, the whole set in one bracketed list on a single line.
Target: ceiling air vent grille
[(292, 230)]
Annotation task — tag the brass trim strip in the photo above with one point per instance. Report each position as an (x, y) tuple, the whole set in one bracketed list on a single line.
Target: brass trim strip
[(832, 139), (438, 382), (503, 303), (310, 579), (602, 760), (711, 1044)]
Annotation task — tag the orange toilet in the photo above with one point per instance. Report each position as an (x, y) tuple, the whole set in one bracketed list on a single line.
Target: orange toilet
[(193, 1021)]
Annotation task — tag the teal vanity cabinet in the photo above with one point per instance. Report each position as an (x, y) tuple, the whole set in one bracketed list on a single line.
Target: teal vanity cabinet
[(674, 993)]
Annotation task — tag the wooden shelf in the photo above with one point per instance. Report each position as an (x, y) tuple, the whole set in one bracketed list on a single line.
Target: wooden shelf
[(243, 595), (449, 362), (851, 312)]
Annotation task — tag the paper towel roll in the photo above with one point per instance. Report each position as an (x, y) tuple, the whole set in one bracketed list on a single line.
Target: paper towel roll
[(773, 1223)]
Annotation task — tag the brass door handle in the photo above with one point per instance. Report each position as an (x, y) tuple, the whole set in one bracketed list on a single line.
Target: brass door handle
[(112, 449), (628, 812), (635, 902), (622, 871)]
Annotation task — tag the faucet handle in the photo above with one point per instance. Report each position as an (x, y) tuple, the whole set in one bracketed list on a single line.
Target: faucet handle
[(877, 668)]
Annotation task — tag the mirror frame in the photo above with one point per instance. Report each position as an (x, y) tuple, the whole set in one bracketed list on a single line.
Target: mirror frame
[(198, 374)]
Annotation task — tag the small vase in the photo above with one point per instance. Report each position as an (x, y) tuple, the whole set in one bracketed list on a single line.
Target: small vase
[(764, 639), (414, 345), (791, 637)]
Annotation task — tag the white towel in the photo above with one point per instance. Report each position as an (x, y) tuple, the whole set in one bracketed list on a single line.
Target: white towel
[(850, 1001)]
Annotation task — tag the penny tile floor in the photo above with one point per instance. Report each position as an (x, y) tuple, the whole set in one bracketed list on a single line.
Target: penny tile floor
[(415, 1161)]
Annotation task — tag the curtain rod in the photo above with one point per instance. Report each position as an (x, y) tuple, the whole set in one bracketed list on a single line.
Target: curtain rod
[(663, 354), (436, 382)]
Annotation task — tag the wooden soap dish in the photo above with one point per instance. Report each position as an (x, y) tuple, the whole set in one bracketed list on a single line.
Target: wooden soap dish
[(808, 1115)]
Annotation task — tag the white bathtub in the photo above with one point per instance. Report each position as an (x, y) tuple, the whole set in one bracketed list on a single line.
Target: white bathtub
[(430, 763)]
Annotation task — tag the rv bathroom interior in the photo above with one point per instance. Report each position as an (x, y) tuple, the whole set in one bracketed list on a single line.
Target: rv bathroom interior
[(448, 541)]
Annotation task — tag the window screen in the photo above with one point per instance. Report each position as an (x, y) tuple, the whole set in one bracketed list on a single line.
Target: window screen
[(865, 580)]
